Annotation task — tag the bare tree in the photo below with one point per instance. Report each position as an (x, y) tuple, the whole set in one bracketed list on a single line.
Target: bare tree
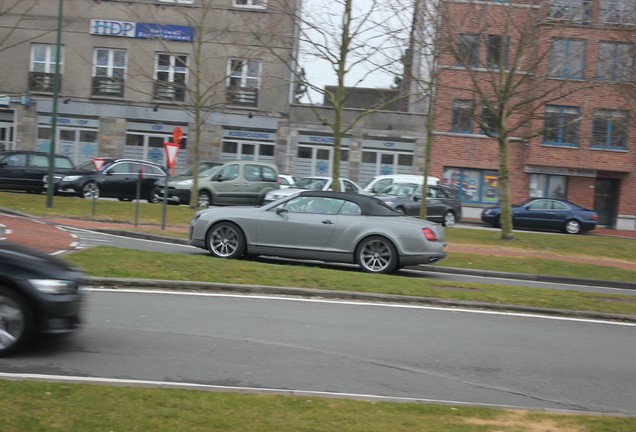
[(204, 62), (17, 12), (510, 83), (347, 36)]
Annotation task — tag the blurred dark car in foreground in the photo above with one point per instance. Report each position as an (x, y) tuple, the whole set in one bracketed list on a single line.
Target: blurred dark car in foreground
[(24, 169), (442, 204), (38, 294), (116, 178), (321, 225), (546, 214)]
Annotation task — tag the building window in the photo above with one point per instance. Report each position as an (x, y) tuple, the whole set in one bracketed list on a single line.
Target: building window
[(487, 121), (575, 11), (473, 185), (109, 72), (468, 50), (561, 125), (566, 58), (171, 72), (462, 116), (243, 82), (42, 70), (609, 129), (618, 12), (547, 186), (497, 52), (254, 4), (615, 62)]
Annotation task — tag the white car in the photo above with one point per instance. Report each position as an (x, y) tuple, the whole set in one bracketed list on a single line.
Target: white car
[(315, 183), (381, 182), (286, 181)]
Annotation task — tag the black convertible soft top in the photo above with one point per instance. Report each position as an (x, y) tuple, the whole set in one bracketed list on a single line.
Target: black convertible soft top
[(370, 205)]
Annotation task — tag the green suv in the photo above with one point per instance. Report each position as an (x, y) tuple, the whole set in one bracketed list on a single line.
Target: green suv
[(239, 182)]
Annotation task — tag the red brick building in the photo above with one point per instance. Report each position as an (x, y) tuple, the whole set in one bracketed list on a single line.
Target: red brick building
[(571, 114)]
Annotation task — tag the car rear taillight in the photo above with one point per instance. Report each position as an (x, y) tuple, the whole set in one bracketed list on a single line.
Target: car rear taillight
[(429, 234), (594, 217)]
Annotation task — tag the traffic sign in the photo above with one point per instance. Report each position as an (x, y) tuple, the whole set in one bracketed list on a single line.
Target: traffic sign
[(98, 163)]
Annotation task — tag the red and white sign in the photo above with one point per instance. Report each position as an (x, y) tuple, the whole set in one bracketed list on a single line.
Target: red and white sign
[(172, 148), (98, 163)]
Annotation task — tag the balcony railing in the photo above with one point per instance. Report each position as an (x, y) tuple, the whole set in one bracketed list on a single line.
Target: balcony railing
[(168, 91), (107, 86), (242, 96), (42, 82)]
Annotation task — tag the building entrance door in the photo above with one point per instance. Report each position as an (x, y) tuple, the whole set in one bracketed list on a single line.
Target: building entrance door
[(6, 136), (605, 195)]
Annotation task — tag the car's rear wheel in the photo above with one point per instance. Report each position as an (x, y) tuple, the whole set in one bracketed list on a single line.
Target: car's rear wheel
[(204, 199), (449, 219), (572, 226), (16, 321), (226, 240), (90, 190), (376, 254)]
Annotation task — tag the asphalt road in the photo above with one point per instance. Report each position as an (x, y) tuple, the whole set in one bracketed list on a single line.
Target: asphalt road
[(357, 349)]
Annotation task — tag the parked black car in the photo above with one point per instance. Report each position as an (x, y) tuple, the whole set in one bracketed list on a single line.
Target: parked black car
[(38, 294), (24, 169), (442, 204), (116, 178)]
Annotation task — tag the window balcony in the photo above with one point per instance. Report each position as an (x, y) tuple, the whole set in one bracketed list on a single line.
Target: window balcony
[(242, 96), (107, 86), (42, 82), (167, 91)]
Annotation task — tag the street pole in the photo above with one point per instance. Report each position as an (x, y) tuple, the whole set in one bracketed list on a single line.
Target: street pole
[(56, 92)]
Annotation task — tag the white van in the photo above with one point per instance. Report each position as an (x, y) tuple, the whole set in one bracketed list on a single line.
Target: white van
[(378, 183)]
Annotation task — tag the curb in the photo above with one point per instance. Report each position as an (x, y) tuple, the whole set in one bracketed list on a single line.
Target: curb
[(114, 283)]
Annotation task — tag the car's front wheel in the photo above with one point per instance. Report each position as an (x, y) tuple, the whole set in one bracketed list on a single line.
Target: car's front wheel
[(154, 197), (376, 254), (204, 200), (90, 190), (449, 220), (226, 240), (16, 321), (572, 227)]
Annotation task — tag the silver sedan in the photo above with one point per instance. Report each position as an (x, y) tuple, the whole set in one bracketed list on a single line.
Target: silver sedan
[(324, 226)]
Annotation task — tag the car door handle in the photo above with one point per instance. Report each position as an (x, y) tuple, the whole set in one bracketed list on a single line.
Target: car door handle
[(327, 222)]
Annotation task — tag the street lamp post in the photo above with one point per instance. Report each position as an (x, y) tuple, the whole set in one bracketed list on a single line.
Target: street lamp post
[(56, 92)]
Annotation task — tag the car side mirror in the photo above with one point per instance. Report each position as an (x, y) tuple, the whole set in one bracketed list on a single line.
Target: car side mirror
[(280, 210), (218, 178), (417, 198)]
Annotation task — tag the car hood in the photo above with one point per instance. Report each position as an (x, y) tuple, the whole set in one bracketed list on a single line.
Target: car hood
[(17, 259), (287, 192)]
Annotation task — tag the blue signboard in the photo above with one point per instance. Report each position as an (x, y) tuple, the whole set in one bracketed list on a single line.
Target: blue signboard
[(164, 32)]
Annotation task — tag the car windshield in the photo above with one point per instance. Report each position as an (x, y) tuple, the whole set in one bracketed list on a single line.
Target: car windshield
[(401, 190), (311, 183), (204, 167), (86, 166)]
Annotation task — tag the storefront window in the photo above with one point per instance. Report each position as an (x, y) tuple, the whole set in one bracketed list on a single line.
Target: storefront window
[(547, 186), (473, 186)]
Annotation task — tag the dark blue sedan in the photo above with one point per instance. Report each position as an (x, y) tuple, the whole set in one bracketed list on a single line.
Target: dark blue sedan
[(546, 214)]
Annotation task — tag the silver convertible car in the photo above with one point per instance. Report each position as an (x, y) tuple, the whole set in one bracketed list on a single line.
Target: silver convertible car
[(324, 226)]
